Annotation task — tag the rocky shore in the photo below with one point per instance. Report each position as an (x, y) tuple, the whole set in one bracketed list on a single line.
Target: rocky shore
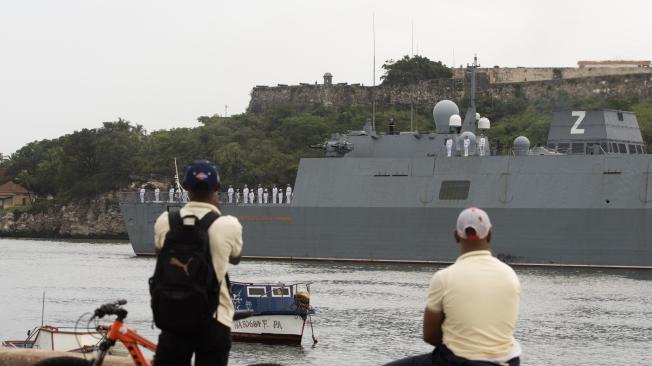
[(99, 218)]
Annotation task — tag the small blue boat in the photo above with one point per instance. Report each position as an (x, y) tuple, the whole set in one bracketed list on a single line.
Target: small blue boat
[(279, 312)]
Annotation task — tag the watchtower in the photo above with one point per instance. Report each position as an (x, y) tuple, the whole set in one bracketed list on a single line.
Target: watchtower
[(328, 78)]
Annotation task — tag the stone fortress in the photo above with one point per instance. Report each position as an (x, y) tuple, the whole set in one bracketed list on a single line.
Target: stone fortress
[(590, 78)]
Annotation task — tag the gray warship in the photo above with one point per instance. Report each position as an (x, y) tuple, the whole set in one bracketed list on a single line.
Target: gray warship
[(583, 199)]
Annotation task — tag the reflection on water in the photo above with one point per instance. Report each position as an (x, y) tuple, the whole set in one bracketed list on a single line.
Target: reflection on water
[(367, 314)]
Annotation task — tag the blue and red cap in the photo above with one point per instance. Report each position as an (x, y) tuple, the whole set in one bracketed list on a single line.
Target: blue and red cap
[(201, 176)]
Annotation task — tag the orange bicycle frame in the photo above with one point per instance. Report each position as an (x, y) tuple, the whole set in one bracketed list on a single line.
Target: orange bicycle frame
[(132, 340)]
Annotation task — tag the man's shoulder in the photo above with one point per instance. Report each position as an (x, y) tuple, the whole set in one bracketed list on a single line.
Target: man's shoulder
[(163, 218), (227, 221)]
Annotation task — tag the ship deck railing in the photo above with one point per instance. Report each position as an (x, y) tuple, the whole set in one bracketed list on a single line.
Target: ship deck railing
[(164, 197)]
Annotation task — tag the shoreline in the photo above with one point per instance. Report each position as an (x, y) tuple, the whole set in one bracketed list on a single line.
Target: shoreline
[(53, 236)]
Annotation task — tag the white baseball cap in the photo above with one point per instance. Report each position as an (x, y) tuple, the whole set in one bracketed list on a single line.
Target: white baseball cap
[(476, 219)]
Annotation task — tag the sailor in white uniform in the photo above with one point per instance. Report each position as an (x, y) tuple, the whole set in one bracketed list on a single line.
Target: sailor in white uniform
[(237, 196), (265, 196), (171, 194), (449, 147), (230, 193), (157, 193), (184, 194), (467, 143), (260, 194), (274, 194), (280, 196), (142, 194), (288, 194), (481, 145), (245, 194), (251, 196)]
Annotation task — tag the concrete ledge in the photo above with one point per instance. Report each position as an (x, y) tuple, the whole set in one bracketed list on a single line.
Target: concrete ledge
[(28, 357)]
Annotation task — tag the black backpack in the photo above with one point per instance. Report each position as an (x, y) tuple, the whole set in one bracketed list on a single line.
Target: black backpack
[(184, 288)]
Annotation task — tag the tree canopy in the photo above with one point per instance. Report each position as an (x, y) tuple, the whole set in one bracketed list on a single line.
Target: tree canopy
[(409, 70)]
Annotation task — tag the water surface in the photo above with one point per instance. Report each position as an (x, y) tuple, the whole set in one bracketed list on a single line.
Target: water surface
[(367, 314)]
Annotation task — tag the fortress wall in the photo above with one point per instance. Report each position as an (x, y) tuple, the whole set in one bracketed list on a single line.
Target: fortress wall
[(525, 74), (305, 97), (633, 85)]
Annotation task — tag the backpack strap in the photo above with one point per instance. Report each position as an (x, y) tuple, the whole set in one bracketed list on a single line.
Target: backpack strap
[(208, 220), (174, 218)]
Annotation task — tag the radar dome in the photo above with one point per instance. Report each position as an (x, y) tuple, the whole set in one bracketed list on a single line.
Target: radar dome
[(455, 121), (521, 145), (442, 112), (484, 123)]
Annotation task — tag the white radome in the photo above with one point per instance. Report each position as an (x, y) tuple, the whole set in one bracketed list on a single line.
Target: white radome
[(455, 121), (477, 116), (484, 123)]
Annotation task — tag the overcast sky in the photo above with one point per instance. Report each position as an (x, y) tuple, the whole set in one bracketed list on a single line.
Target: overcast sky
[(72, 64)]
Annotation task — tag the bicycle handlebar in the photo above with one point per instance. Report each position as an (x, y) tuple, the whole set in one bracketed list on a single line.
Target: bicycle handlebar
[(112, 308)]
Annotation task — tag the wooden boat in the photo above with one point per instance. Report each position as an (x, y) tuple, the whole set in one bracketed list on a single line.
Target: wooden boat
[(279, 312)]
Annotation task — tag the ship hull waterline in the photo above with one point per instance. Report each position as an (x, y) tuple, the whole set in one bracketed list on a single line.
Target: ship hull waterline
[(522, 236)]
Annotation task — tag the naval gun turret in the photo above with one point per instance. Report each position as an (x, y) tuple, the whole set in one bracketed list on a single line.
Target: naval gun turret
[(336, 146)]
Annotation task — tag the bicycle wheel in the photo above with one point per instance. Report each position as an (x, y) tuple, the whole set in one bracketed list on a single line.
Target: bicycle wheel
[(63, 361)]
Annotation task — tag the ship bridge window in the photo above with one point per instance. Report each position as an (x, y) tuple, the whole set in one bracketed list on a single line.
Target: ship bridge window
[(562, 147), (614, 147), (577, 148), (280, 292), (454, 190), (620, 116), (256, 291), (622, 148), (632, 149), (639, 149)]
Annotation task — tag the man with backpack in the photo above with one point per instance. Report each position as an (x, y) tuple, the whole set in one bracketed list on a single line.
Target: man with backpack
[(191, 302)]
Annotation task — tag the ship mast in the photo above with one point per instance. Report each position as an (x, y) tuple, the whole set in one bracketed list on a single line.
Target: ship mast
[(373, 90), (469, 123)]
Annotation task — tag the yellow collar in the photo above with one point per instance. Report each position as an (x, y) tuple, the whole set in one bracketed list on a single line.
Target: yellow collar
[(473, 254)]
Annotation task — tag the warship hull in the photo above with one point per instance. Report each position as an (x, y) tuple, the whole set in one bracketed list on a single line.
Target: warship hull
[(593, 237)]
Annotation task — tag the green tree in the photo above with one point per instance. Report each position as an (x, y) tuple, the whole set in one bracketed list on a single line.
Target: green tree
[(409, 70)]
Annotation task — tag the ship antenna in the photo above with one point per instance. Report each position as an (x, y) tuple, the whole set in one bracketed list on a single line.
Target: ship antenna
[(373, 93), (176, 177)]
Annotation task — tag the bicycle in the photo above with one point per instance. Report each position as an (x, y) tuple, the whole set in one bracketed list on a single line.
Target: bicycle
[(113, 333)]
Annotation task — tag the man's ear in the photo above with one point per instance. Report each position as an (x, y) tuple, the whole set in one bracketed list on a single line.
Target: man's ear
[(456, 236)]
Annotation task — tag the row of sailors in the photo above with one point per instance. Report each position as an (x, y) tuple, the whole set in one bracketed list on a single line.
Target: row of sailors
[(247, 196), (466, 143), (261, 196), (180, 195)]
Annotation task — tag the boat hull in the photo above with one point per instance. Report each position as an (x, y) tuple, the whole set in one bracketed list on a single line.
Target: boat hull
[(286, 329)]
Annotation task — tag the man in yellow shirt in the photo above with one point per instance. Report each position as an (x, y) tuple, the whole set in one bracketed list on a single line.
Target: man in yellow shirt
[(472, 305), (211, 345)]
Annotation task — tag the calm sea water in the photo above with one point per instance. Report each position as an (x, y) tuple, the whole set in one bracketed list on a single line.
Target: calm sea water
[(367, 314)]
